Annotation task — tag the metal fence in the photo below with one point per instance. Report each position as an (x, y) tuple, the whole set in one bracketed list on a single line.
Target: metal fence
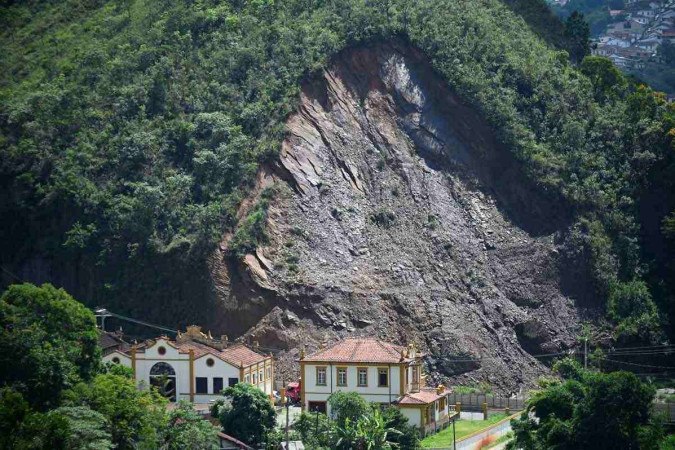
[(474, 402), (666, 411)]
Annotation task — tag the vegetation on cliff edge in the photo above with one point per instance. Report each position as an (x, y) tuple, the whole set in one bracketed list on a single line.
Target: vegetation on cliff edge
[(130, 131)]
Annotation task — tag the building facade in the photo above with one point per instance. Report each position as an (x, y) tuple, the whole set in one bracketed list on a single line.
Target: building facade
[(380, 372), (194, 366)]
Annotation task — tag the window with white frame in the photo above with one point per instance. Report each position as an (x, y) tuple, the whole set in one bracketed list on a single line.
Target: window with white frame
[(363, 376), (342, 376), (320, 376)]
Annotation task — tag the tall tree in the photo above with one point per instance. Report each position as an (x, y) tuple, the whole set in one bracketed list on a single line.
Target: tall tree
[(249, 416), (347, 406), (187, 430), (23, 428), (589, 410), (87, 429), (137, 418), (48, 343), (577, 36)]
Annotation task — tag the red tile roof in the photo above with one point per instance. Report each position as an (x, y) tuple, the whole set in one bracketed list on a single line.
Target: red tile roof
[(360, 350), (424, 397), (238, 354), (242, 354)]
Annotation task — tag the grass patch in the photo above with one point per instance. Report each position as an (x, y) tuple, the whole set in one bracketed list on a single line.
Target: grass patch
[(463, 427)]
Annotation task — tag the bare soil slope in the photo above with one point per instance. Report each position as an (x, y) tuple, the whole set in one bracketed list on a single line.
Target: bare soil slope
[(400, 216)]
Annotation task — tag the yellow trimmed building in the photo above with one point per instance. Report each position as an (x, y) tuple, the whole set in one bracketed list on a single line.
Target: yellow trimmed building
[(380, 372), (194, 366)]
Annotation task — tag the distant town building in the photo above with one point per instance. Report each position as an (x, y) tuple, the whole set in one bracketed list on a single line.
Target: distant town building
[(194, 366), (380, 372)]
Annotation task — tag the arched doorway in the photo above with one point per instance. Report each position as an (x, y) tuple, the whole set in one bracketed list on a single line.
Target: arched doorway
[(163, 377)]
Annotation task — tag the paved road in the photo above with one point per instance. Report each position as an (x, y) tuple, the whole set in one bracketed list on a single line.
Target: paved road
[(485, 437), (293, 415)]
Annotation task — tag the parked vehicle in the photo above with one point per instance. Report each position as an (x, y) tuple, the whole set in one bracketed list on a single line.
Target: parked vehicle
[(293, 392)]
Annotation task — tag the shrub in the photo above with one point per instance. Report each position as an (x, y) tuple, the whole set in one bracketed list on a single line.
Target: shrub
[(383, 218)]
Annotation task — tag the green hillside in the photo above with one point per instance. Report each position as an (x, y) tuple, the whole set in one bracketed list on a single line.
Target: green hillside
[(130, 131)]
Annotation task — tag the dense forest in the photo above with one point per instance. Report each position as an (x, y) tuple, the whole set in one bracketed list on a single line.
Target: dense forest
[(130, 132)]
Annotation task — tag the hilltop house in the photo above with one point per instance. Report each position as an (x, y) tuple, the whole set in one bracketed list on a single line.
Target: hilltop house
[(380, 372), (194, 366)]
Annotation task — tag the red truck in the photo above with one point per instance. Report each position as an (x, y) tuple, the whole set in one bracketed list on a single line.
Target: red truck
[(293, 392)]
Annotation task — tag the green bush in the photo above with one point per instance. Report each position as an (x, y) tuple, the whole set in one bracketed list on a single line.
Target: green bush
[(383, 218), (591, 410), (250, 416), (631, 306), (347, 406)]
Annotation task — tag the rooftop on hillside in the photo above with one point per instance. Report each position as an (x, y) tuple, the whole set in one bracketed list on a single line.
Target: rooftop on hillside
[(364, 350)]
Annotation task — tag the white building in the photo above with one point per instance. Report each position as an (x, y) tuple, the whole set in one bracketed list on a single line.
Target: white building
[(194, 366), (380, 372)]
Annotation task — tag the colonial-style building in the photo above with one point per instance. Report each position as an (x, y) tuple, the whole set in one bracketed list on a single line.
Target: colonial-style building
[(381, 373), (194, 366)]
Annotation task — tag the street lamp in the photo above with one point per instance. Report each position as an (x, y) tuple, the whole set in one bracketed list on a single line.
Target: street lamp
[(288, 405), (102, 313)]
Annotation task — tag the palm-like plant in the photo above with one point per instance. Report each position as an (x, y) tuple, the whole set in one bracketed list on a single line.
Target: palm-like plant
[(369, 433), (347, 435)]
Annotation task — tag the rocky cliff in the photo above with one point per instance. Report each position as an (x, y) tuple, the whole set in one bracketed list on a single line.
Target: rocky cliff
[(398, 214)]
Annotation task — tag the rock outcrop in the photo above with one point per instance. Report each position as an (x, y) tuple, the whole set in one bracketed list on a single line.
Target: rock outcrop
[(399, 215)]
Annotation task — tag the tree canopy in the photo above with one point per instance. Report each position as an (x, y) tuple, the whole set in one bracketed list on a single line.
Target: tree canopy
[(249, 416), (188, 430), (131, 131), (588, 410), (54, 391), (48, 343), (346, 406)]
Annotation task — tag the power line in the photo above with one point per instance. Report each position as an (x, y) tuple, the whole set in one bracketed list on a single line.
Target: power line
[(655, 352), (141, 322), (645, 347), (635, 364), (13, 275), (622, 352)]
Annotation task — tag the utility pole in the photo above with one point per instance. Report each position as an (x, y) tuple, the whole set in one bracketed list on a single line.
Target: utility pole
[(288, 405), (586, 352)]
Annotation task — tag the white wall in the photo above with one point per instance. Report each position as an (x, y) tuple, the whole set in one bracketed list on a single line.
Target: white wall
[(371, 393), (181, 365), (413, 415), (124, 359), (179, 361), (220, 369)]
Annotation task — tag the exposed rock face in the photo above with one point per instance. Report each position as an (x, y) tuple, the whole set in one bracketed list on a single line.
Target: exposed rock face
[(400, 216)]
